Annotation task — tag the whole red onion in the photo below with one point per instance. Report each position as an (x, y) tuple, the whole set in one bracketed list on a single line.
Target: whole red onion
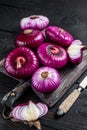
[(21, 63), (75, 52), (29, 38), (52, 55), (34, 22), (59, 35), (46, 79)]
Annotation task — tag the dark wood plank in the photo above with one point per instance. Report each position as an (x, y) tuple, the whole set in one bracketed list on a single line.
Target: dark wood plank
[(72, 20), (7, 124), (72, 16), (75, 117), (6, 45), (70, 121)]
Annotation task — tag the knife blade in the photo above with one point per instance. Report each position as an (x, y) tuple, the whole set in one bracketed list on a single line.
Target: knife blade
[(70, 100)]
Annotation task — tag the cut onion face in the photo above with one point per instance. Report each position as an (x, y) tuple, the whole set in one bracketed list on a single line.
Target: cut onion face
[(59, 36), (21, 63), (46, 80), (75, 52), (29, 112), (38, 22), (29, 38), (52, 55)]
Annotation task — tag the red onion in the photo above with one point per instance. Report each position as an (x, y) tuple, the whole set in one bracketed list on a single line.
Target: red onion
[(29, 38), (59, 35), (21, 63), (46, 79), (75, 51), (52, 55), (34, 22), (29, 111)]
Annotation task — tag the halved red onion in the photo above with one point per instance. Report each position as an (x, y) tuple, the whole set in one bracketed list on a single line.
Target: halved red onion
[(29, 38), (46, 79), (52, 55), (34, 22), (59, 35), (75, 51), (21, 63), (30, 111)]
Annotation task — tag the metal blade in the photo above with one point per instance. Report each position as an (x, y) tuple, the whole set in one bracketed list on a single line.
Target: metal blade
[(83, 84)]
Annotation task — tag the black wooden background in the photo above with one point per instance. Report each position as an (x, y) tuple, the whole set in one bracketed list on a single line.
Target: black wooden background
[(68, 14)]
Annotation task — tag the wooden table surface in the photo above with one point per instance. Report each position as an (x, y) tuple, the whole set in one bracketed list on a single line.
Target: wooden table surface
[(68, 14)]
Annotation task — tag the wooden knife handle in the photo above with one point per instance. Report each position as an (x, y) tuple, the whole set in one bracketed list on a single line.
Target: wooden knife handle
[(68, 102)]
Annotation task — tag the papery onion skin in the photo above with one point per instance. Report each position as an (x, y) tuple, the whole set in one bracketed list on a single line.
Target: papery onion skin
[(59, 35), (46, 84), (29, 38), (75, 52), (53, 60), (30, 66), (38, 22)]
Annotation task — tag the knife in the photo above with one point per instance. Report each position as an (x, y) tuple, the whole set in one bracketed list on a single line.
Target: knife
[(70, 100)]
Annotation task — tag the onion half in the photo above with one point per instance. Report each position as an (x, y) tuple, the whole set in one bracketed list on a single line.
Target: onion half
[(46, 80), (29, 38), (52, 55), (34, 22), (75, 52), (21, 63), (30, 111), (59, 35)]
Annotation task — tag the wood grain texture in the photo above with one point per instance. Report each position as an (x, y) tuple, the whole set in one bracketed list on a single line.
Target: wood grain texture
[(68, 14), (6, 45)]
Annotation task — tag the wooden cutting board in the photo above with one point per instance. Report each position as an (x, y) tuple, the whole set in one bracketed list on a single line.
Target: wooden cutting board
[(68, 74)]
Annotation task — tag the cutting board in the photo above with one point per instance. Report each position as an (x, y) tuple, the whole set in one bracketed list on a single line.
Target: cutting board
[(68, 74)]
